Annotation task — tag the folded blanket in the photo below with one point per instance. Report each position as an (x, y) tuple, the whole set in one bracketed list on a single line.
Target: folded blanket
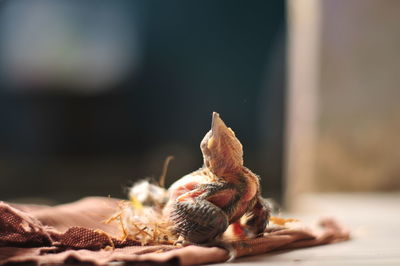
[(76, 232)]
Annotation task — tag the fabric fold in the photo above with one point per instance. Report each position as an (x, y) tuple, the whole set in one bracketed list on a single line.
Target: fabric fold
[(76, 232)]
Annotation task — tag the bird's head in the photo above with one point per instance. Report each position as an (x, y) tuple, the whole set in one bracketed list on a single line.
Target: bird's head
[(222, 151)]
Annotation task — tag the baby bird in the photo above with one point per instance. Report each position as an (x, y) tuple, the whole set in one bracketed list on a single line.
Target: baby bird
[(204, 203)]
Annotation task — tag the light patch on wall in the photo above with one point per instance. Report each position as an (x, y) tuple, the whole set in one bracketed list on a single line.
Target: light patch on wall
[(74, 46)]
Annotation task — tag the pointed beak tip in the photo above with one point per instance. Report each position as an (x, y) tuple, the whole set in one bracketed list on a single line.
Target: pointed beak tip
[(215, 115), (215, 120), (217, 124)]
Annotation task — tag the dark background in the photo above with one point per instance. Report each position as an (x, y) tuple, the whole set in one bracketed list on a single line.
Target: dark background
[(59, 142)]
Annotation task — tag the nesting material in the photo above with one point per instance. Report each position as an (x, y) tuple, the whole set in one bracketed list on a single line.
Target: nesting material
[(140, 219)]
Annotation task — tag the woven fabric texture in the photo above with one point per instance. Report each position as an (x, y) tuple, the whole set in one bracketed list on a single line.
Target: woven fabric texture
[(76, 232)]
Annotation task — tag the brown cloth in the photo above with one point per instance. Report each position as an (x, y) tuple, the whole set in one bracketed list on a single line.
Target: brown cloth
[(76, 232)]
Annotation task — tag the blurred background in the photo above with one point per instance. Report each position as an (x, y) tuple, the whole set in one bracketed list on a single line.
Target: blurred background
[(342, 149), (343, 107), (95, 94)]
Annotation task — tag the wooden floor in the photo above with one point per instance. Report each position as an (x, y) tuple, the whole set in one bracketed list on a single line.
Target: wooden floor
[(374, 221)]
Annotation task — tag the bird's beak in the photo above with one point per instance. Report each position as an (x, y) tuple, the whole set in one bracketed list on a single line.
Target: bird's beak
[(218, 126)]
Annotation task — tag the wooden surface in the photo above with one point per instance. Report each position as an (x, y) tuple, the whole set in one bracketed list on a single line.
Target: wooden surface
[(373, 219)]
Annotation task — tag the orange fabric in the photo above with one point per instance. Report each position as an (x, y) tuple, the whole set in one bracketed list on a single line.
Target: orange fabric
[(76, 232)]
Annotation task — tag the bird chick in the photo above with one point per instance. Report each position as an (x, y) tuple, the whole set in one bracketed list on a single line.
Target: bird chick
[(204, 203)]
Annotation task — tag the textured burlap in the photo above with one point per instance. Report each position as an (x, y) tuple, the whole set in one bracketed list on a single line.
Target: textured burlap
[(76, 233)]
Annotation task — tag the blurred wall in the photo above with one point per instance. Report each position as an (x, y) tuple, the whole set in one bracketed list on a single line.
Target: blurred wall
[(358, 148), (343, 111), (96, 94)]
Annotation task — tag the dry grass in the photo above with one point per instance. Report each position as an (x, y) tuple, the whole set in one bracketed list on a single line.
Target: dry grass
[(145, 225)]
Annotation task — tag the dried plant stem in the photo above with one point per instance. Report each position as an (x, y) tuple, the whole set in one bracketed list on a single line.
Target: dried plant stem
[(161, 181)]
